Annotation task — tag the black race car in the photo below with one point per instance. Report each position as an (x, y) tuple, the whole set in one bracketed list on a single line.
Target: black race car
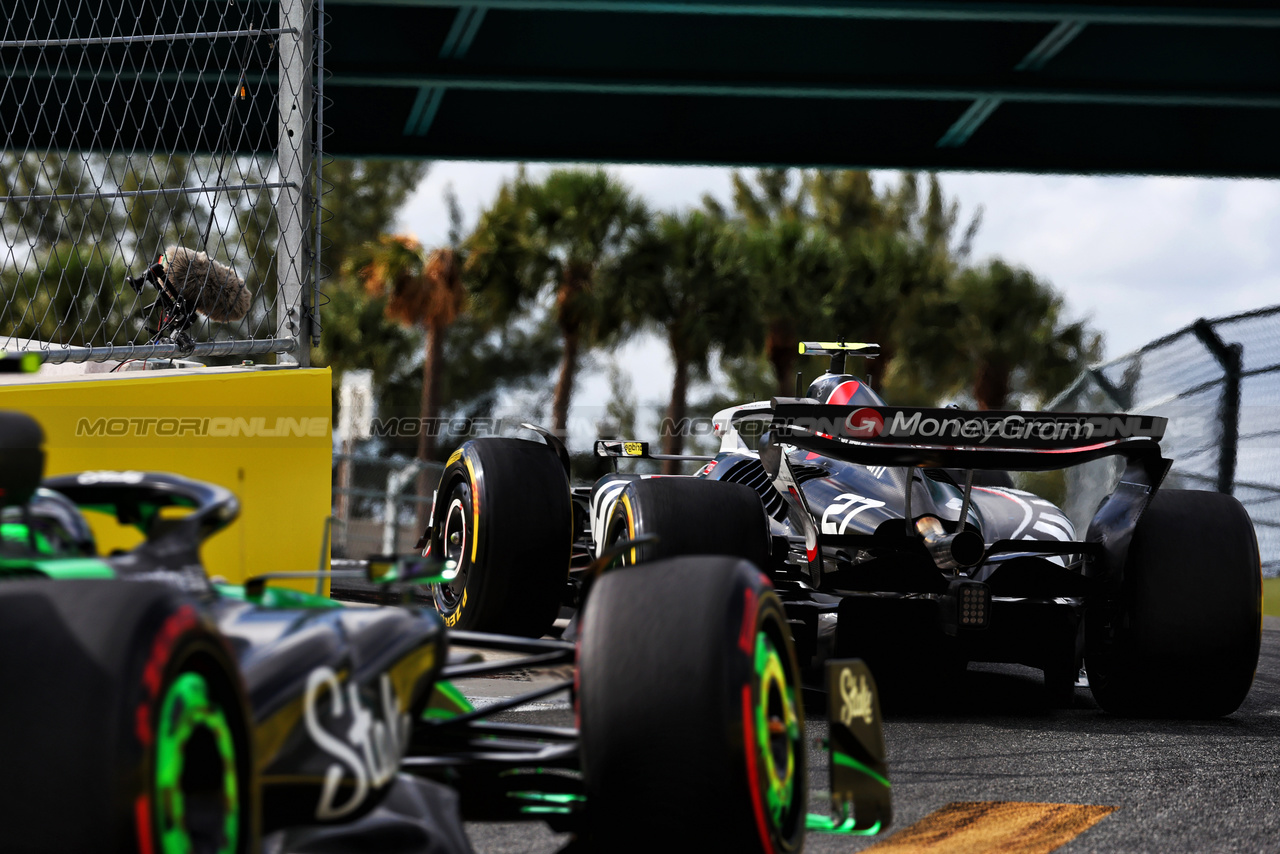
[(901, 525), (147, 708)]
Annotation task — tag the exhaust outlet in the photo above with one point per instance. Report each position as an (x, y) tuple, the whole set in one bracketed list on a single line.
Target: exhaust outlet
[(950, 551)]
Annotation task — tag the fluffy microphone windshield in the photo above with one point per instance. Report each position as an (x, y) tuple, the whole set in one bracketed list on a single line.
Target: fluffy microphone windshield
[(213, 289)]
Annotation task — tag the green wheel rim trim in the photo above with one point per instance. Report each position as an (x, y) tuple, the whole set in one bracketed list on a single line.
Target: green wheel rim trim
[(780, 783), (187, 706)]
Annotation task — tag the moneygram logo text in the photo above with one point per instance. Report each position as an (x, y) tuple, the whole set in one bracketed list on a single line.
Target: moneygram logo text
[(1009, 427)]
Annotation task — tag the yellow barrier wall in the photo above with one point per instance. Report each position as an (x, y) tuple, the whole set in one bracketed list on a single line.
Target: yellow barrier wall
[(263, 434)]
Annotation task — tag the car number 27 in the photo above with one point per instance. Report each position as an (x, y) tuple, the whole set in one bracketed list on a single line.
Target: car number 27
[(836, 518)]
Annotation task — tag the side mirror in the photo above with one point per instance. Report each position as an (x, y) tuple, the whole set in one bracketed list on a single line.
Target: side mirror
[(770, 454), (391, 569)]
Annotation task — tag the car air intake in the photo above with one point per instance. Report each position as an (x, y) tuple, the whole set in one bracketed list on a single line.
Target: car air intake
[(751, 473)]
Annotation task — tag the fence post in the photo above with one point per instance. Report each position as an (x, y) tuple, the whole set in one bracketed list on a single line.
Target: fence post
[(1231, 358), (396, 482), (293, 154)]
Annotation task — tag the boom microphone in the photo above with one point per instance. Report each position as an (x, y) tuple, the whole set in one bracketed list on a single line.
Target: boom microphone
[(213, 289)]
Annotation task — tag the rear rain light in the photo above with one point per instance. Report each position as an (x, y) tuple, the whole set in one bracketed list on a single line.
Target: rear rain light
[(972, 603)]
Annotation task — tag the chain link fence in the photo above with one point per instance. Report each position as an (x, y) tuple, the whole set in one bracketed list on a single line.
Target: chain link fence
[(376, 505), (158, 177), (1218, 383)]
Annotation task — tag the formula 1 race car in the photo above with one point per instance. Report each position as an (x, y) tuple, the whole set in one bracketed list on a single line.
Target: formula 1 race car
[(904, 526), (149, 708)]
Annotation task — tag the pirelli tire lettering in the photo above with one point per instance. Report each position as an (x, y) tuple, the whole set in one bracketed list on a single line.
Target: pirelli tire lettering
[(455, 532), (504, 515), (451, 620)]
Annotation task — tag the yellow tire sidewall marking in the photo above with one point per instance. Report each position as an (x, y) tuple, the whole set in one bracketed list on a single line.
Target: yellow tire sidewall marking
[(475, 514), (631, 525)]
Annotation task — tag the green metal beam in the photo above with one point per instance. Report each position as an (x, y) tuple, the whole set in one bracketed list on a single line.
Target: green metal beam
[(1050, 46), (466, 23), (1035, 60), (979, 111), (851, 91), (1206, 15)]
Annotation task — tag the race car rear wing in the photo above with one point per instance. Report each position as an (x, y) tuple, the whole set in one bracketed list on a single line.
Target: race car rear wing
[(955, 438)]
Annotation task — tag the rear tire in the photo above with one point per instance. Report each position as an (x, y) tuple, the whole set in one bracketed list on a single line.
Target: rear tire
[(503, 512), (690, 708), (691, 516), (1188, 624), (124, 726)]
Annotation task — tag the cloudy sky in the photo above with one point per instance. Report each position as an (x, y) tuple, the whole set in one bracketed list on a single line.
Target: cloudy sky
[(1141, 257)]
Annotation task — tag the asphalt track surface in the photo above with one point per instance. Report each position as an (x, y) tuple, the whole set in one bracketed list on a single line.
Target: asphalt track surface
[(1018, 775)]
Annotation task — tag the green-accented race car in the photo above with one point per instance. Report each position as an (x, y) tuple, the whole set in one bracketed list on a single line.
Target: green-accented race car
[(147, 709)]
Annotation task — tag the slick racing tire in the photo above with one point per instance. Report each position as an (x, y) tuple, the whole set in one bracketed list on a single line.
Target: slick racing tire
[(1180, 637), (504, 514), (692, 728), (690, 516), (123, 723)]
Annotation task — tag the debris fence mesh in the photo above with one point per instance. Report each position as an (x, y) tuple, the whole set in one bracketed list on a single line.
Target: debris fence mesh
[(132, 126), (376, 504), (1218, 383)]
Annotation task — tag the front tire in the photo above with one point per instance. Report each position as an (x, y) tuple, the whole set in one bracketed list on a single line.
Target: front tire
[(504, 515), (690, 708), (690, 516), (1182, 635)]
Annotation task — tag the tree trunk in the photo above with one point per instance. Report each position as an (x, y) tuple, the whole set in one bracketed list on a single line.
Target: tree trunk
[(991, 385), (427, 412), (873, 369), (673, 441), (575, 280), (564, 385), (781, 348)]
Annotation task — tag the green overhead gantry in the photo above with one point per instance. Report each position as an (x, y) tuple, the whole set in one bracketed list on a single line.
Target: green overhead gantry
[(1137, 86), (1101, 87)]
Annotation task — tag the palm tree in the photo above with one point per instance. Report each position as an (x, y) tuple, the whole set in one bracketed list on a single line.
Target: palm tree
[(791, 266), (845, 202), (900, 254), (768, 196), (421, 290), (1007, 335), (687, 277), (887, 276), (561, 236)]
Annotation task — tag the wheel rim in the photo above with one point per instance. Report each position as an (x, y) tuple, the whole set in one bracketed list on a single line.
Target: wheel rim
[(618, 533), (777, 729), (457, 540), (197, 800)]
